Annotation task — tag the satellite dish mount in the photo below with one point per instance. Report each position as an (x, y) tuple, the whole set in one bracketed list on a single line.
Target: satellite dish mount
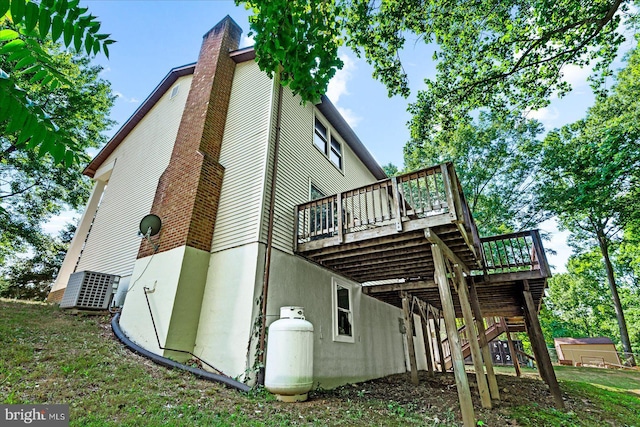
[(150, 226)]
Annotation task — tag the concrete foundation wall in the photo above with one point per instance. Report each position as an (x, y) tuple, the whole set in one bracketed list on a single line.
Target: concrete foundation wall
[(378, 348), (229, 308)]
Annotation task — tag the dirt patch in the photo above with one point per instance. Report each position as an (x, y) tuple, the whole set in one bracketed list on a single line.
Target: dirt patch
[(437, 396)]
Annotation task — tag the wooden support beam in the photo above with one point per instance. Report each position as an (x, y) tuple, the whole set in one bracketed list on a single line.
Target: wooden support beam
[(436, 326), (512, 350), (540, 348), (394, 287), (462, 384), (484, 344), (476, 356), (426, 335), (408, 326), (432, 237)]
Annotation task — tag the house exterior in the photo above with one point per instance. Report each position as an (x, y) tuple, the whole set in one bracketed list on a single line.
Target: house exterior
[(200, 152), (268, 202)]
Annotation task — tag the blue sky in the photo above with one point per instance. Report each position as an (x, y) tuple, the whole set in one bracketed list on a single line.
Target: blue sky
[(155, 36)]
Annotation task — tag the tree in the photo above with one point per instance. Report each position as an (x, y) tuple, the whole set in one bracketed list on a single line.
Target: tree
[(390, 169), (591, 174), (30, 277), (496, 160), (25, 25), (34, 187), (579, 299), (502, 55)]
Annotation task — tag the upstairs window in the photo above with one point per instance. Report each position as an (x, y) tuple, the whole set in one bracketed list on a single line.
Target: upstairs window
[(326, 141), (321, 136), (316, 193), (336, 153)]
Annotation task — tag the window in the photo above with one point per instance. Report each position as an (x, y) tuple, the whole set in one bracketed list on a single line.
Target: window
[(321, 136), (336, 153), (325, 140), (315, 193), (342, 312)]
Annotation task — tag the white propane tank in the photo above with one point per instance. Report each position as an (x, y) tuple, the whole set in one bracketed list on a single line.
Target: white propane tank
[(289, 368)]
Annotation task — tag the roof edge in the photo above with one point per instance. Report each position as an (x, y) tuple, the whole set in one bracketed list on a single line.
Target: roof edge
[(151, 100), (243, 54)]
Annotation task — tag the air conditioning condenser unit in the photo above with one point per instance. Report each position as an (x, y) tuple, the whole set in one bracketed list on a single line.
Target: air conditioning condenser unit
[(88, 290)]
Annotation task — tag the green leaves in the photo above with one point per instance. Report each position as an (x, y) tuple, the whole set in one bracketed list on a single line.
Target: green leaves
[(7, 34), (298, 39), (502, 56), (21, 52)]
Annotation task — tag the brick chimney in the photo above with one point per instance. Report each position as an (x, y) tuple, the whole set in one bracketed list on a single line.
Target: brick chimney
[(188, 191)]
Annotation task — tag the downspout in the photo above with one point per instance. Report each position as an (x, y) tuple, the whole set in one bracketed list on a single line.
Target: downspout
[(267, 261)]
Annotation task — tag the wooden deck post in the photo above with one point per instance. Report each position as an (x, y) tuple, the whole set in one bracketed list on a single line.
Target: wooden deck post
[(540, 348), (476, 356), (462, 384), (341, 217), (512, 350), (396, 198), (436, 325), (408, 326), (426, 336), (484, 344)]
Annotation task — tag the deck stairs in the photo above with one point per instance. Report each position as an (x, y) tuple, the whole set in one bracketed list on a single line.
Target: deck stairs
[(494, 327)]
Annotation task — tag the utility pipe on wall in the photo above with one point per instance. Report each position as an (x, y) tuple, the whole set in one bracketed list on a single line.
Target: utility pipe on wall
[(267, 261)]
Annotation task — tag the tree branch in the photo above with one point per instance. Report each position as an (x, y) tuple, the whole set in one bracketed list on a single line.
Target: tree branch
[(6, 196)]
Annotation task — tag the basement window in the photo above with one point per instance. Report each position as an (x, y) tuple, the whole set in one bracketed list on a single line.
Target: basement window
[(342, 312)]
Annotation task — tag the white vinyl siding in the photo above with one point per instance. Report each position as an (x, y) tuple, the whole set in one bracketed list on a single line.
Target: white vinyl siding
[(112, 245), (300, 161), (244, 157)]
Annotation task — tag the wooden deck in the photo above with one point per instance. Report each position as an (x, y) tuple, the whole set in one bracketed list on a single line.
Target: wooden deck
[(380, 235)]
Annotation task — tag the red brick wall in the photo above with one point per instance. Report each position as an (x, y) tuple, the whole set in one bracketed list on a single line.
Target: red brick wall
[(188, 191)]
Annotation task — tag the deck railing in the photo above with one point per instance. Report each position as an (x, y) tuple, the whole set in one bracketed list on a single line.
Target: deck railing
[(514, 252), (416, 195)]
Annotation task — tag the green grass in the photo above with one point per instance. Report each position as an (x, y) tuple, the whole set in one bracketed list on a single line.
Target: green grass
[(597, 394), (48, 357)]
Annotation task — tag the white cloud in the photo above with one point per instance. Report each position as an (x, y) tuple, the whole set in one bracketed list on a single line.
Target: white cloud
[(576, 76), (544, 115), (349, 116), (247, 41), (58, 222), (120, 95), (338, 84)]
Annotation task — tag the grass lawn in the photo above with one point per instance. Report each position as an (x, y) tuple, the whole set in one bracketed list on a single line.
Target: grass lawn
[(48, 356)]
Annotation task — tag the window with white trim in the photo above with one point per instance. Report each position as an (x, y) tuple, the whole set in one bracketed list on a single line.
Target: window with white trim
[(321, 136), (342, 311), (325, 140)]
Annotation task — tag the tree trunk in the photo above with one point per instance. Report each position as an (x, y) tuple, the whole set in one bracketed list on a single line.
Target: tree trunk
[(622, 324)]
